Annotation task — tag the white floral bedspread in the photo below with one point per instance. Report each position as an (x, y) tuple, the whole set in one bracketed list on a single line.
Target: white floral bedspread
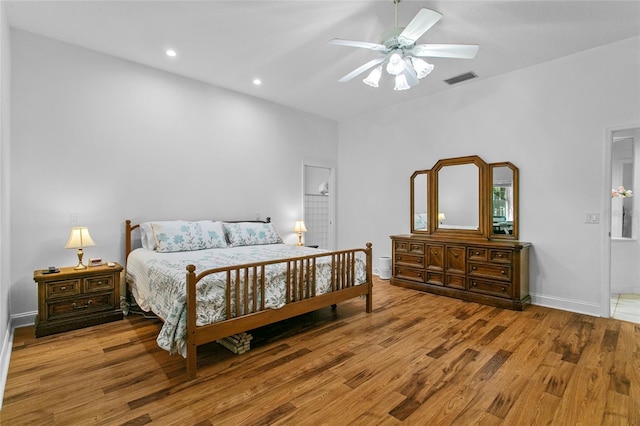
[(159, 283)]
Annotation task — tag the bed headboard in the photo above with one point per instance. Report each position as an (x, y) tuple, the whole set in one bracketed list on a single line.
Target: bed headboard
[(129, 228)]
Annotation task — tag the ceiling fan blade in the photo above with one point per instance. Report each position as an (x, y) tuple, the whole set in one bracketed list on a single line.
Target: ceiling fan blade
[(458, 51), (362, 44), (372, 63), (425, 19)]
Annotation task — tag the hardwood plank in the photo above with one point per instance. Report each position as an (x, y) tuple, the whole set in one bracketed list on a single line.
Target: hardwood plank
[(417, 359)]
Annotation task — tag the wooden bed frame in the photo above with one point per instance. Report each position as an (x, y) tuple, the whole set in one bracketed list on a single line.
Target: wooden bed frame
[(249, 279)]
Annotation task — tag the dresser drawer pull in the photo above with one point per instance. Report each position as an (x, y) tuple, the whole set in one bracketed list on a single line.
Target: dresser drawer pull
[(63, 288), (503, 272), (474, 268), (503, 289), (477, 253), (75, 305)]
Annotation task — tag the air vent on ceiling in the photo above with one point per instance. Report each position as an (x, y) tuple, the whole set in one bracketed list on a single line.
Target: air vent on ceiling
[(460, 78)]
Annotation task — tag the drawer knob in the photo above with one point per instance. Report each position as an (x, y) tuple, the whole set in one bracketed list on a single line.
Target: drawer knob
[(503, 289), (85, 306), (63, 288), (503, 272), (477, 253), (474, 268), (499, 254), (474, 284)]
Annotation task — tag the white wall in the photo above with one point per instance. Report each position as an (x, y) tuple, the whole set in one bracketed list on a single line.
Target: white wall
[(5, 235), (549, 120), (107, 140)]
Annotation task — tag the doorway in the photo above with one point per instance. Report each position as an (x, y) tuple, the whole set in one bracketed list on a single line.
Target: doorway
[(318, 205), (624, 241)]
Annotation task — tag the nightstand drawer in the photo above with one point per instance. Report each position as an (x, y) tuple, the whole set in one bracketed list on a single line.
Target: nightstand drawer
[(72, 307), (101, 283), (62, 288)]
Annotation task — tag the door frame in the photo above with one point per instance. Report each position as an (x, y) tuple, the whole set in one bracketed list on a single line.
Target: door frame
[(605, 291), (332, 196)]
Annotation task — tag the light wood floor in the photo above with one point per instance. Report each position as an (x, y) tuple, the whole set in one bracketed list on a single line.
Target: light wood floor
[(417, 359)]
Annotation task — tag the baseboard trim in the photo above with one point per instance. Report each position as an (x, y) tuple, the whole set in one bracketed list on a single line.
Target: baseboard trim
[(570, 305), (5, 358), (24, 319), (627, 289)]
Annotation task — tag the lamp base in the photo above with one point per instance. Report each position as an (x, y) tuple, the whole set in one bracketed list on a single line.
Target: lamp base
[(80, 266), (300, 239)]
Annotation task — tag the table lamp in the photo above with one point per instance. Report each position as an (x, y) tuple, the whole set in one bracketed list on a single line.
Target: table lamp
[(441, 218), (78, 239), (299, 228)]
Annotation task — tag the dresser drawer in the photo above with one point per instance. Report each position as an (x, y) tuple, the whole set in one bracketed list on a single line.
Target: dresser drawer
[(409, 247), (410, 260), (455, 281), (435, 278), (80, 305), (500, 256), (455, 259), (488, 270), (490, 287), (100, 283), (435, 257), (64, 288), (479, 254), (409, 274)]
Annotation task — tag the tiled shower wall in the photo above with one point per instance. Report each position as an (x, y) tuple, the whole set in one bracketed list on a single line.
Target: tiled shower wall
[(316, 219)]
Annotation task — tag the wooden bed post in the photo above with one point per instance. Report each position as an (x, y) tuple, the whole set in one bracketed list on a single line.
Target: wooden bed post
[(369, 252), (192, 348), (127, 244)]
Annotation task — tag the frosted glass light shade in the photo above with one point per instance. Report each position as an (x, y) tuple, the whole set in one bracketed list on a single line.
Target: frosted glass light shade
[(396, 64), (374, 77), (299, 226), (401, 83), (422, 68)]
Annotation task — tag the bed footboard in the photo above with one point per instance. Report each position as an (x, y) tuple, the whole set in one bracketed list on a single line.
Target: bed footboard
[(246, 310)]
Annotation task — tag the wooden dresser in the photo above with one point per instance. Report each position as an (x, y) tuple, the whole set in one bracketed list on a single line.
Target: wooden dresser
[(72, 298), (490, 272)]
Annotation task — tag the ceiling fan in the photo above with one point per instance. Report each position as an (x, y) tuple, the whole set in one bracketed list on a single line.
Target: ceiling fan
[(402, 55)]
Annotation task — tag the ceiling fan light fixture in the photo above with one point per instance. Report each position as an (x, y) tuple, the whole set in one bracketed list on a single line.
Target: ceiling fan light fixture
[(395, 65), (422, 67), (374, 77), (401, 83)]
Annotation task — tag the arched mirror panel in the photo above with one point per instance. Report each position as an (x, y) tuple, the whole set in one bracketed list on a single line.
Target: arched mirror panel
[(420, 201), (504, 200)]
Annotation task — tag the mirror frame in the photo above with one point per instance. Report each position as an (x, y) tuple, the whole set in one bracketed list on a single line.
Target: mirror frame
[(481, 231), (485, 200), (412, 207), (516, 191)]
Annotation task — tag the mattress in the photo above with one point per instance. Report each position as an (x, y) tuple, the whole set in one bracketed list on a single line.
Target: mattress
[(158, 283)]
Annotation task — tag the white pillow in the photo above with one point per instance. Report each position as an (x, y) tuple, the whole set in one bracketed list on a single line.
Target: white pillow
[(146, 236), (172, 236), (251, 233)]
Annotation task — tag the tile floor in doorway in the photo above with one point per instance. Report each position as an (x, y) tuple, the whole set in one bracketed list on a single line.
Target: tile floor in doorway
[(626, 307)]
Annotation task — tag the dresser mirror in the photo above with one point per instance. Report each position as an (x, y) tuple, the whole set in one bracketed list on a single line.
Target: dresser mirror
[(420, 201), (504, 200), (466, 197)]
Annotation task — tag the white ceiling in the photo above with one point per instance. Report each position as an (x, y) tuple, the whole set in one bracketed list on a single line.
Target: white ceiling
[(229, 43)]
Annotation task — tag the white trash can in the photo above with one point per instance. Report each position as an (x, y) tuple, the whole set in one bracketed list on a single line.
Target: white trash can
[(385, 268)]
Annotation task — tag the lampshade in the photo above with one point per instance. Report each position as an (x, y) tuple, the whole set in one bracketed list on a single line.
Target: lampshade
[(395, 65), (79, 238), (421, 67), (441, 217), (374, 77), (299, 226)]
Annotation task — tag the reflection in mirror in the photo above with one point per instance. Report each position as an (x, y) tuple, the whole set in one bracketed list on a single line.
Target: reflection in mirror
[(419, 201), (622, 155), (458, 198), (502, 200)]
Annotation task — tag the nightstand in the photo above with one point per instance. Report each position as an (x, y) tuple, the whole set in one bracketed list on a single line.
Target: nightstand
[(77, 298)]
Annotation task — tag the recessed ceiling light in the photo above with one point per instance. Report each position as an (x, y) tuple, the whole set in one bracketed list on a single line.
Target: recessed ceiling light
[(171, 53), (257, 81)]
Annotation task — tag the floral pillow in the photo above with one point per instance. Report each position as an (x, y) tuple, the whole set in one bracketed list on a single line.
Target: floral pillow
[(171, 236), (251, 233)]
